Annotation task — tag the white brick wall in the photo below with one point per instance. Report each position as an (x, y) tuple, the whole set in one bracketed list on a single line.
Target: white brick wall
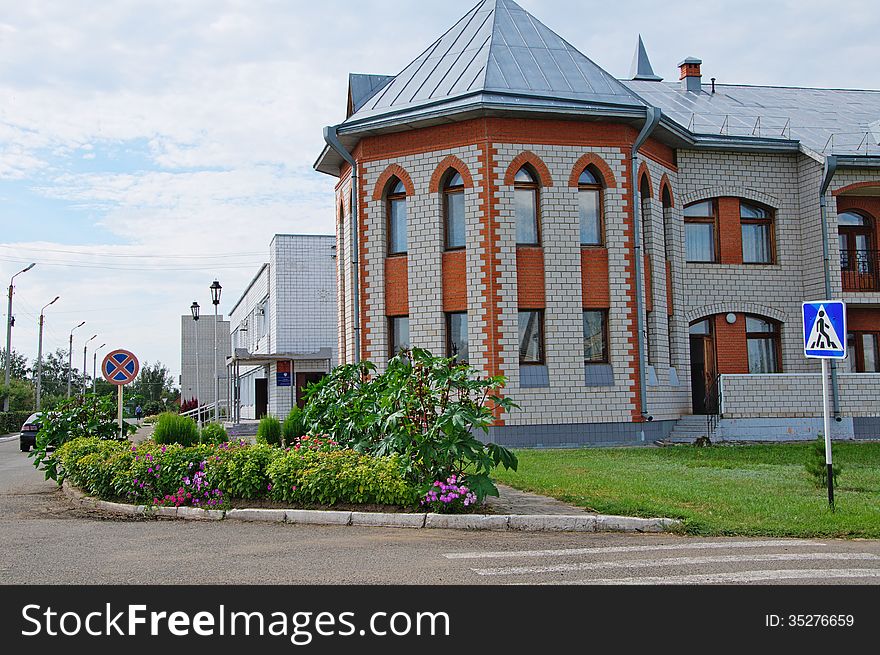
[(797, 395)]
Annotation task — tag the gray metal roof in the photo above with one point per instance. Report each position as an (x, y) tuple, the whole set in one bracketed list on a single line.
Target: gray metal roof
[(497, 48), (824, 121), (363, 87), (641, 66)]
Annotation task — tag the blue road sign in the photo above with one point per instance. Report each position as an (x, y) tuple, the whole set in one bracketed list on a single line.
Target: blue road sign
[(825, 329)]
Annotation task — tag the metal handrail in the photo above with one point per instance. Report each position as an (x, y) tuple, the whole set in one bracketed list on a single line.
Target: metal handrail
[(206, 410), (860, 270)]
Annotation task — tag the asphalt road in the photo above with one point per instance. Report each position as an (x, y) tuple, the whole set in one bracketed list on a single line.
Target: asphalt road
[(45, 539)]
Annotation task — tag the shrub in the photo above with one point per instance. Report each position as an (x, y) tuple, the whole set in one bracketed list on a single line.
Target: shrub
[(173, 428), (294, 426), (449, 497), (341, 476), (816, 465), (269, 431), (427, 409), (241, 472), (12, 421), (214, 433)]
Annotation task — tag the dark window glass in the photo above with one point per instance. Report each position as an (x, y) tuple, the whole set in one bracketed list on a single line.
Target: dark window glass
[(699, 231), (453, 202), (457, 336), (763, 345), (590, 208), (531, 337), (525, 200), (863, 352), (757, 234), (397, 237), (595, 337), (398, 334), (702, 327)]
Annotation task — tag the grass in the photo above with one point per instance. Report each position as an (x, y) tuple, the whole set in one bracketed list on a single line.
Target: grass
[(719, 490)]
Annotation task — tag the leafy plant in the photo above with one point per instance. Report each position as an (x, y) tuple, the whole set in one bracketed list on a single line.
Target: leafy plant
[(214, 433), (241, 471), (269, 431), (449, 497), (294, 425), (81, 416), (429, 410), (816, 465), (173, 428)]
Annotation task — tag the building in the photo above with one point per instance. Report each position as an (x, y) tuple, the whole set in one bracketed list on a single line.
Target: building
[(284, 327), (197, 337), (627, 253)]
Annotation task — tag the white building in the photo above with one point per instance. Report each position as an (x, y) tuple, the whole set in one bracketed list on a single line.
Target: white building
[(283, 327), (203, 391)]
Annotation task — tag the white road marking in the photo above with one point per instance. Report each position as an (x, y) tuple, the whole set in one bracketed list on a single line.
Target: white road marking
[(568, 552), (731, 578), (675, 561)]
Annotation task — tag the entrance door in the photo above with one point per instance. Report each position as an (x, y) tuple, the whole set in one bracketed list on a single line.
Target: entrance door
[(302, 381), (703, 371), (261, 397)]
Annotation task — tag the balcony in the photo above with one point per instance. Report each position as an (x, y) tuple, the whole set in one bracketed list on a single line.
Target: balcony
[(860, 270)]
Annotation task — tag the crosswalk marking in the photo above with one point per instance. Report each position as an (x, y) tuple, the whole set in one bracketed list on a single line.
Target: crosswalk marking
[(573, 552), (731, 578), (674, 561)]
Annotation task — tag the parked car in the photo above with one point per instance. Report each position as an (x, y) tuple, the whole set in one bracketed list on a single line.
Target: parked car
[(28, 437)]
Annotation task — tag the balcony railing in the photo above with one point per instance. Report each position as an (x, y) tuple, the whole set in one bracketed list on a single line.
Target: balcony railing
[(860, 270)]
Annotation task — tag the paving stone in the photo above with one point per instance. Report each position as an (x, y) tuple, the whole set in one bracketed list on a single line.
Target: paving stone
[(391, 520), (317, 517), (270, 515), (552, 523), (466, 521), (200, 514)]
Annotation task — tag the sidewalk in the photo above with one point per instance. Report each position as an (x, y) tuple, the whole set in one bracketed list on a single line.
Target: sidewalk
[(513, 501)]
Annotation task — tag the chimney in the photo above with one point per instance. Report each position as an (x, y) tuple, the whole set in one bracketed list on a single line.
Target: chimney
[(691, 78)]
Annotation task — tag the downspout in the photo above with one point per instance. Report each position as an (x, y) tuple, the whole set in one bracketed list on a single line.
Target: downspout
[(332, 140), (827, 175), (652, 118)]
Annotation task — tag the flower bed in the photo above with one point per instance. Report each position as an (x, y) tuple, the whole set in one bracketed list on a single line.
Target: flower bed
[(209, 475)]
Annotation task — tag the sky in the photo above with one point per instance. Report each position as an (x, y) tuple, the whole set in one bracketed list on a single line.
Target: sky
[(149, 147)]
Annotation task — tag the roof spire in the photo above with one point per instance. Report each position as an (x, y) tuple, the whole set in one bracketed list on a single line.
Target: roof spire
[(641, 66)]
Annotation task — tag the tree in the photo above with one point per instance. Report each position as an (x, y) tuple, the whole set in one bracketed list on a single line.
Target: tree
[(153, 389), (21, 395), (18, 365), (54, 378)]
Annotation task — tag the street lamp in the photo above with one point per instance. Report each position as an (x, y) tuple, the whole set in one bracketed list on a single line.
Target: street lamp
[(85, 348), (70, 358), (194, 308), (10, 321), (95, 367), (215, 298), (40, 353)]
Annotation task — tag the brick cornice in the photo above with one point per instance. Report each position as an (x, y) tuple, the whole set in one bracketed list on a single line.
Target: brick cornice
[(854, 187), (734, 307), (455, 163), (528, 157), (393, 170), (729, 191), (591, 158)]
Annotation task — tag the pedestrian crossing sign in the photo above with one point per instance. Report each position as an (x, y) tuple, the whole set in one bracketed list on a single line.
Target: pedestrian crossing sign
[(825, 329)]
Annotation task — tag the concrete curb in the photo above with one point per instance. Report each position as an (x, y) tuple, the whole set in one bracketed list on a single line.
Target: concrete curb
[(495, 522)]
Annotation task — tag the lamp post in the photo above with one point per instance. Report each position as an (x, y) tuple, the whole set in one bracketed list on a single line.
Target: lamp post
[(10, 321), (95, 366), (215, 298), (85, 348), (194, 308), (39, 371), (70, 358)]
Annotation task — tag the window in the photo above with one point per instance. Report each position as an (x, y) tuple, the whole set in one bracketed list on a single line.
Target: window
[(531, 337), (453, 207), (595, 337), (757, 234), (525, 198), (398, 331), (856, 236), (763, 345), (590, 208), (457, 336), (699, 230), (863, 352), (702, 328), (396, 218)]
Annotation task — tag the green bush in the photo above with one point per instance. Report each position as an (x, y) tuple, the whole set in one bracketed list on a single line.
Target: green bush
[(341, 476), (173, 428), (214, 433), (269, 431), (241, 470), (12, 421), (294, 426), (816, 465)]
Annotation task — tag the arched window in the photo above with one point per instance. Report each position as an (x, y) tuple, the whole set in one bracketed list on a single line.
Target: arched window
[(666, 198), (590, 187), (525, 197), (700, 219), (757, 233), (396, 210), (453, 209), (762, 335), (857, 239), (645, 208)]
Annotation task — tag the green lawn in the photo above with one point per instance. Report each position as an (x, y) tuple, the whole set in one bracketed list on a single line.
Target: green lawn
[(719, 490)]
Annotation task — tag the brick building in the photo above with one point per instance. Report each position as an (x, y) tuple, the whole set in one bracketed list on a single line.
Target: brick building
[(283, 327), (626, 252)]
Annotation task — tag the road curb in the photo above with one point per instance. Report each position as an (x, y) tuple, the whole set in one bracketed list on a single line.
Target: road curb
[(482, 522)]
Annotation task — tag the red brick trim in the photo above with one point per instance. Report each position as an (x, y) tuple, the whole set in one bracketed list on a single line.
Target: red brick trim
[(853, 187), (393, 170), (528, 157), (645, 173), (634, 337), (665, 184), (599, 163), (362, 266), (450, 162)]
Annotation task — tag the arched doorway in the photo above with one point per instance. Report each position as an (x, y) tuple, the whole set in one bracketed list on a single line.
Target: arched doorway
[(704, 369)]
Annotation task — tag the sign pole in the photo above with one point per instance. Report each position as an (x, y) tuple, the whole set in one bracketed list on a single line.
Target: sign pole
[(827, 419), (119, 402)]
